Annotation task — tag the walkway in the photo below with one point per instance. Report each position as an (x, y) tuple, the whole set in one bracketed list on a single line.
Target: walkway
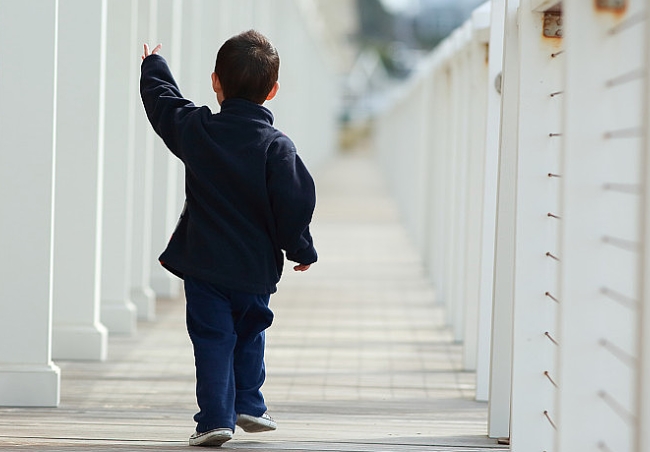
[(358, 358)]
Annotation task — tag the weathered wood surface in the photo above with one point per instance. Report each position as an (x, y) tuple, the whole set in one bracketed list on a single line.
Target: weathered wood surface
[(358, 358)]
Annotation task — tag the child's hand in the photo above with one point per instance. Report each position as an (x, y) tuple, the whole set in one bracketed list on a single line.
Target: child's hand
[(153, 52), (301, 267)]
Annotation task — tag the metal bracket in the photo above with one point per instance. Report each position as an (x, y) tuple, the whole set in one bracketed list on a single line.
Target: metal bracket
[(552, 24), (611, 4)]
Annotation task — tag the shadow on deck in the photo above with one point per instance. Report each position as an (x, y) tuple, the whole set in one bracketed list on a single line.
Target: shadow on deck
[(358, 359)]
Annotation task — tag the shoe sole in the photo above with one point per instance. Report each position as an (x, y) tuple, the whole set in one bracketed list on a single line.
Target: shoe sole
[(251, 426), (210, 439)]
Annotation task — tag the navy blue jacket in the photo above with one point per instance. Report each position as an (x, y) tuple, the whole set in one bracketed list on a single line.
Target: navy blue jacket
[(248, 194)]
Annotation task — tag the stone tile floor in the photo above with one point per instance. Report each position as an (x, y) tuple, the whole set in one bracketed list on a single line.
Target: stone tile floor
[(358, 359)]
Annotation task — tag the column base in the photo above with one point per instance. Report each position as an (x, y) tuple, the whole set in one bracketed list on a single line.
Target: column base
[(30, 385), (79, 342), (144, 299), (119, 317), (166, 286)]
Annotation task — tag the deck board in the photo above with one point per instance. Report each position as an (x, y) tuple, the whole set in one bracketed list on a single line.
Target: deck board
[(358, 358)]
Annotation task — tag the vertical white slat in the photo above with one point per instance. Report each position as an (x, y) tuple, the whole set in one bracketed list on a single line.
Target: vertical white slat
[(534, 351), (118, 313), (77, 332), (452, 184), (504, 251), (438, 169), (142, 294), (642, 435), (488, 222), (165, 207), (478, 73), (27, 155), (462, 76), (600, 226)]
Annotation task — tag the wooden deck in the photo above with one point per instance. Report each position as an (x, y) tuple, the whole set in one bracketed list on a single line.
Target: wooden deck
[(358, 358)]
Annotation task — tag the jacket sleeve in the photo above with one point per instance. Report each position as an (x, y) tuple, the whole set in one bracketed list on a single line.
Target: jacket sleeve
[(167, 110), (293, 198)]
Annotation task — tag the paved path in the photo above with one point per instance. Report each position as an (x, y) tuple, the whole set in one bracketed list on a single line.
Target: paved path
[(358, 357)]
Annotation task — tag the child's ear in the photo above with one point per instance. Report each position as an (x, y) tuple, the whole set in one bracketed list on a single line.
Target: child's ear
[(216, 84), (273, 91)]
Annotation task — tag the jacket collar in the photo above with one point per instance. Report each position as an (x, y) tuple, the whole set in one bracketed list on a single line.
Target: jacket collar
[(243, 107)]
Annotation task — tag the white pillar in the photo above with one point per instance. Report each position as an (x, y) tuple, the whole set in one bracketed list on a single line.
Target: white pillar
[(504, 260), (27, 143), (142, 294), (77, 332), (642, 440), (601, 220), (165, 207), (122, 75), (491, 167), (478, 72), (534, 375)]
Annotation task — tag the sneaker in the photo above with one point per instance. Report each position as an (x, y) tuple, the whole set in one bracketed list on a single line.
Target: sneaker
[(252, 424), (214, 437)]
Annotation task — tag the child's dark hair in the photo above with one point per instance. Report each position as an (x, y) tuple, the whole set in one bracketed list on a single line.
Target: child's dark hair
[(247, 66)]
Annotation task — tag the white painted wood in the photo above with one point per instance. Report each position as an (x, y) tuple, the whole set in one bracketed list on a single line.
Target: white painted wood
[(491, 165), (478, 74), (642, 434), (544, 5), (165, 207), (536, 273), (142, 294), (77, 332), (460, 74), (27, 154), (504, 261), (601, 218), (118, 313)]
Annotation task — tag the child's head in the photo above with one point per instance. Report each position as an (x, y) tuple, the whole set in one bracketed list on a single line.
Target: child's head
[(247, 68)]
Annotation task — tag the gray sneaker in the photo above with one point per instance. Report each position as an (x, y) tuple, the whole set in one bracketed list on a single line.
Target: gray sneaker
[(252, 424), (215, 437)]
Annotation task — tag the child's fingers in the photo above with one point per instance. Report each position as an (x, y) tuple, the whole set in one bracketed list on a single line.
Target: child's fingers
[(156, 49)]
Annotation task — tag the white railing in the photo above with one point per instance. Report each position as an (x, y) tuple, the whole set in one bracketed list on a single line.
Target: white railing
[(538, 227), (88, 193)]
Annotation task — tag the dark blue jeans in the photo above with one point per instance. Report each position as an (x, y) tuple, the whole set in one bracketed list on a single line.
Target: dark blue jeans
[(226, 328)]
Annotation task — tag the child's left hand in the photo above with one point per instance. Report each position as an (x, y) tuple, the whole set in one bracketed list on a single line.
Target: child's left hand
[(153, 52), (301, 267)]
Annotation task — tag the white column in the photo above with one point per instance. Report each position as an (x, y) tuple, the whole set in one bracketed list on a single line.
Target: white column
[(27, 143), (77, 332), (504, 260), (122, 74), (165, 208), (642, 439), (541, 68), (142, 294), (461, 123), (491, 166), (601, 219), (476, 112)]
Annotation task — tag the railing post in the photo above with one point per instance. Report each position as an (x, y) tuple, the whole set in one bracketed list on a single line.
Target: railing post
[(504, 250), (142, 294), (165, 207), (601, 249), (491, 168), (122, 73), (77, 332), (539, 145), (27, 154)]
